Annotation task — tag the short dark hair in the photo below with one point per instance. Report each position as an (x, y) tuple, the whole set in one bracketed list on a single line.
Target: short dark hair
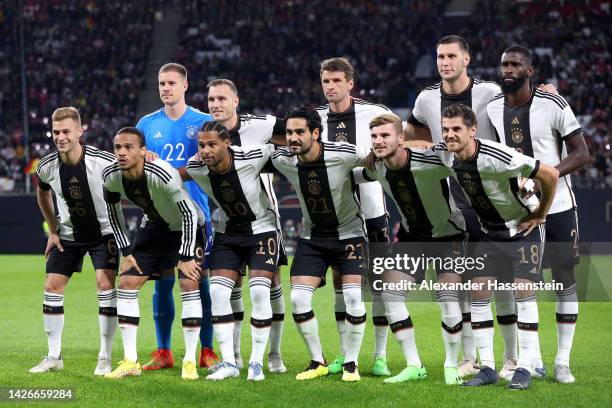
[(460, 110), (214, 126), (454, 39), (519, 49), (133, 131), (223, 81), (313, 120), (174, 67), (339, 64)]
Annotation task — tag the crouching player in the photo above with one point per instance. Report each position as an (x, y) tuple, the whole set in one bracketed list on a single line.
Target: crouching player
[(167, 239), (246, 235)]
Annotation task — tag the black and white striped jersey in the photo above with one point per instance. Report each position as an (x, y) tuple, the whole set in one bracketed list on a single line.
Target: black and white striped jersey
[(432, 100), (160, 195), (330, 207), (78, 191), (245, 207), (490, 181), (421, 193), (538, 128), (353, 127), (258, 130)]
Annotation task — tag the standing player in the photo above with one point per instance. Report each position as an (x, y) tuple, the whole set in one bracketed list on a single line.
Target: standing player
[(418, 185), (333, 234), (166, 239), (171, 132), (72, 174), (246, 235), (346, 119), (512, 232), (542, 125), (424, 124), (246, 129)]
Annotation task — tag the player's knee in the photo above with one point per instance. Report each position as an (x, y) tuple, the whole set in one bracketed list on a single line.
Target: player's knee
[(301, 300), (104, 283), (188, 285), (127, 283), (354, 302), (55, 284)]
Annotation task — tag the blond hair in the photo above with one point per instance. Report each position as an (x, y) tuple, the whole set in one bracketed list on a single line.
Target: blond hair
[(385, 119), (174, 67), (67, 112)]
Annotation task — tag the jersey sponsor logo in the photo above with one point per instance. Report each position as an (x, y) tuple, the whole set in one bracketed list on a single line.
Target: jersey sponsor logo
[(158, 135), (192, 132)]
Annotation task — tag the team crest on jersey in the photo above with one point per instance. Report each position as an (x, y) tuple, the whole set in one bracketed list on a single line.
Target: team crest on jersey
[(227, 192), (75, 189), (517, 136), (192, 132), (314, 185)]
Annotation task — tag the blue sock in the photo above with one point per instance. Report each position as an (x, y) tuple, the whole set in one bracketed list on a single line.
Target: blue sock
[(206, 331), (163, 311)]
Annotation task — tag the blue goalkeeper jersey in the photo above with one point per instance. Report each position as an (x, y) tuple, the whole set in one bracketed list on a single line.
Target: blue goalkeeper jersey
[(175, 141)]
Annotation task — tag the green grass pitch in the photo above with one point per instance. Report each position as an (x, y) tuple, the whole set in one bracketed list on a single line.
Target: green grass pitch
[(23, 343)]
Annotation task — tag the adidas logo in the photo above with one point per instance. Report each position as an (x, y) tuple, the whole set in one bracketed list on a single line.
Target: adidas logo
[(515, 121), (341, 126), (270, 261), (158, 135), (225, 184), (401, 184), (137, 192), (74, 180), (312, 174)]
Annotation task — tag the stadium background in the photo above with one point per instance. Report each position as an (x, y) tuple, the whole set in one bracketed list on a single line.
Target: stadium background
[(103, 56)]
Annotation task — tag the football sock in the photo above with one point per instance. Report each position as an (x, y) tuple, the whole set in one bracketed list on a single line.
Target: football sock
[(381, 326), (261, 317), (527, 330), (191, 316), (163, 311), (355, 321), (277, 302), (467, 337), (482, 330), (402, 328), (452, 324), (128, 315), (340, 309), (505, 309), (567, 315), (305, 320), (53, 318), (238, 310), (222, 316), (206, 331), (107, 318)]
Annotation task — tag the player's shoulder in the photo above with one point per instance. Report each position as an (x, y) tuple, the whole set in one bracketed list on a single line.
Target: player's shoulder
[(491, 87), (425, 156), (146, 119), (549, 99), (433, 89), (249, 119), (496, 151), (160, 170), (497, 100), (111, 171), (282, 152), (199, 114), (98, 155), (248, 152), (363, 104), (46, 161), (339, 147)]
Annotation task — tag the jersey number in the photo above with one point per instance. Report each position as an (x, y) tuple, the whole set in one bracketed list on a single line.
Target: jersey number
[(318, 205), (180, 151)]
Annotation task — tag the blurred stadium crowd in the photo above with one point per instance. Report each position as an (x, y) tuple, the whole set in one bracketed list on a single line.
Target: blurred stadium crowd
[(93, 54)]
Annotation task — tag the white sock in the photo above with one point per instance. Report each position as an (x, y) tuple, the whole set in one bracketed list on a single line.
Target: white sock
[(467, 337), (381, 326), (482, 329), (107, 317), (222, 316), (238, 310), (128, 314), (567, 315), (340, 309), (355, 321), (452, 324), (305, 320), (261, 317), (191, 317), (527, 330), (277, 302), (53, 319), (505, 310), (403, 330)]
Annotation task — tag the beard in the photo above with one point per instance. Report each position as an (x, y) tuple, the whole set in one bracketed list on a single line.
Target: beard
[(513, 87)]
